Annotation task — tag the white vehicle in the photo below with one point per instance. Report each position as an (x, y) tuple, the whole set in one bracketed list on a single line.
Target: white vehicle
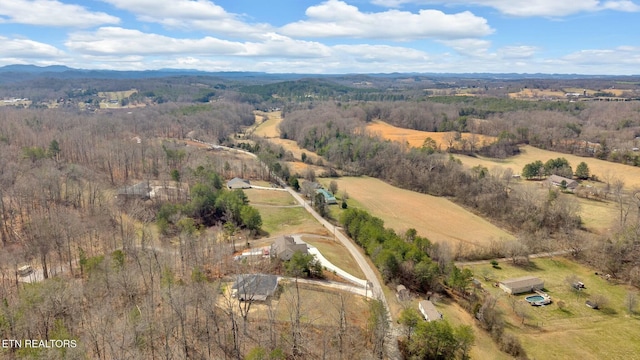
[(25, 270)]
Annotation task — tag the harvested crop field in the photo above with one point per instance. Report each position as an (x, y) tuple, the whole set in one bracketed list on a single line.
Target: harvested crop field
[(434, 217), (416, 138)]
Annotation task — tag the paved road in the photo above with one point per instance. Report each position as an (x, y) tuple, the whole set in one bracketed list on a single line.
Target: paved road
[(369, 273), (328, 265), (374, 286)]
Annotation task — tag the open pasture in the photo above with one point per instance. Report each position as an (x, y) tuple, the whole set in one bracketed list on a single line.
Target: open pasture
[(537, 94), (416, 138), (630, 175), (269, 197), (573, 330), (436, 218), (288, 220), (268, 128)]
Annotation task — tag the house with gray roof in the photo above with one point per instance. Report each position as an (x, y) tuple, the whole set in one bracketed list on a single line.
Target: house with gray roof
[(238, 183), (254, 287), (285, 246), (556, 180), (521, 285)]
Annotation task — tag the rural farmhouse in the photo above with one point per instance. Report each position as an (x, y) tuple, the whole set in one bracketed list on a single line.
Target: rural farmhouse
[(556, 180), (254, 287), (284, 247)]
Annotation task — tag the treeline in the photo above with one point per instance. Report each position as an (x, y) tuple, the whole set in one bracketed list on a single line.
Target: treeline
[(415, 262), (340, 137), (400, 260)]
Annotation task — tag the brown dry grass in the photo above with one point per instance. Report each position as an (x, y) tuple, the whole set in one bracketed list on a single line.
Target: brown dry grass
[(416, 138), (598, 216), (536, 93), (434, 217), (602, 169), (269, 128), (539, 93)]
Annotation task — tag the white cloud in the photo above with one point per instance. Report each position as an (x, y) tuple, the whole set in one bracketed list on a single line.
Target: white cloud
[(335, 18), (115, 40), (380, 53), (189, 15), (51, 13), (28, 49), (627, 55), (525, 8)]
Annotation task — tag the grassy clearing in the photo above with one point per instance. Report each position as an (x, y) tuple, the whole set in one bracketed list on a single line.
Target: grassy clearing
[(259, 197), (319, 305), (116, 95), (280, 221), (337, 254), (416, 138), (575, 331), (434, 217), (602, 169), (269, 128), (537, 93), (598, 216)]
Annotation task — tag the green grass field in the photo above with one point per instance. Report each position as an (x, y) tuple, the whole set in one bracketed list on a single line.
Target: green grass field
[(269, 197), (281, 221), (574, 331)]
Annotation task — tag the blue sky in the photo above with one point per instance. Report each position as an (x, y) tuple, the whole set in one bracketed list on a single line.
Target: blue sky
[(330, 36)]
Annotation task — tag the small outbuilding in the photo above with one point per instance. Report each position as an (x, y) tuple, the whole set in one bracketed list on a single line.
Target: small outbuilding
[(429, 311), (254, 287), (522, 285), (402, 293), (238, 183), (329, 199)]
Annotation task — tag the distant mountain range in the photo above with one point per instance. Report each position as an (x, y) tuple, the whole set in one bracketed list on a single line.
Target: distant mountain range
[(64, 72)]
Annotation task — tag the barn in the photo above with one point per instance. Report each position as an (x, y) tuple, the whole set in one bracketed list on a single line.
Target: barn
[(522, 285)]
